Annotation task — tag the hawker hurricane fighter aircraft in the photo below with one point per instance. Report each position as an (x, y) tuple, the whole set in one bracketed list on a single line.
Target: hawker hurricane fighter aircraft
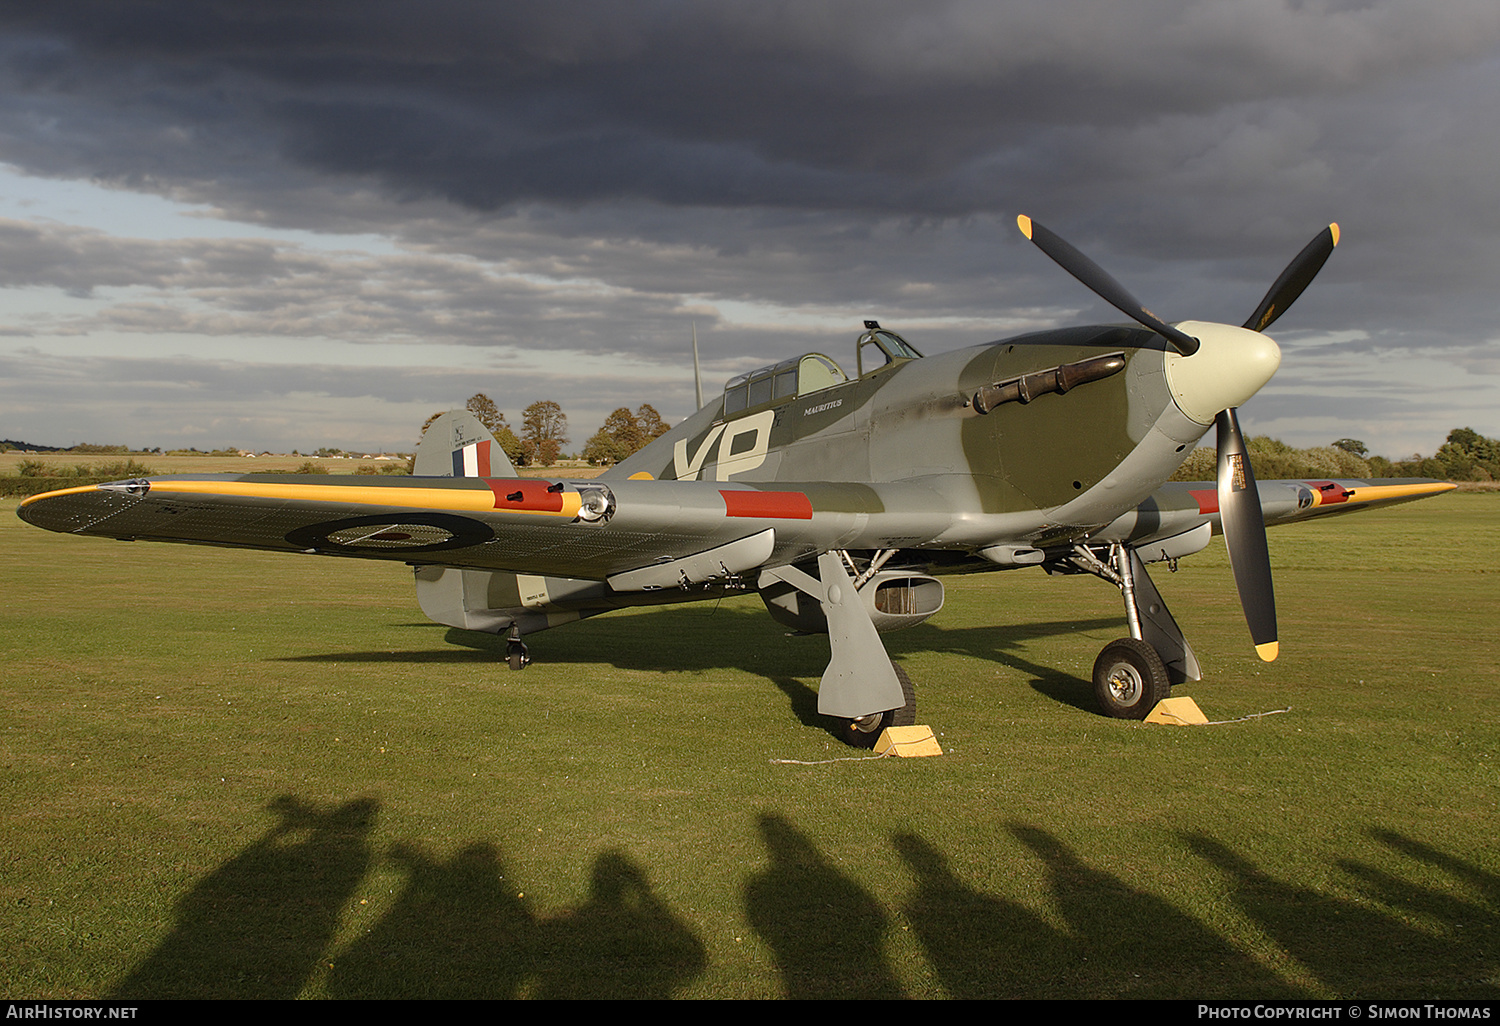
[(840, 499)]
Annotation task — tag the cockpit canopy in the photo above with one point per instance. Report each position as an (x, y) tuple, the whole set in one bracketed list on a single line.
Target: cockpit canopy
[(797, 376), (813, 372), (882, 348)]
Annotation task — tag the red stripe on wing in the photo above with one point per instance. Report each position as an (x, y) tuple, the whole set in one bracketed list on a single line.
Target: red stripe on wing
[(775, 505), (529, 494)]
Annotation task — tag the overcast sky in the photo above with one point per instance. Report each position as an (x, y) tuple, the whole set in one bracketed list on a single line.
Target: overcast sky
[(289, 224)]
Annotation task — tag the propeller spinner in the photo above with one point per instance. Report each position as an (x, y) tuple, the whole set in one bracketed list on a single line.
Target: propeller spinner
[(1240, 513)]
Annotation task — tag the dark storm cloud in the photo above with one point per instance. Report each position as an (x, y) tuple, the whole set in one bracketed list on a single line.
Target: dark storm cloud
[(592, 177), (905, 108), (1222, 133)]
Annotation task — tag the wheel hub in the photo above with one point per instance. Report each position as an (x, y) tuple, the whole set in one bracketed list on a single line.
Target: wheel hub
[(1125, 684)]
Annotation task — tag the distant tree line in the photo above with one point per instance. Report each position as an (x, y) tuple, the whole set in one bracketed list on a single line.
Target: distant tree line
[(88, 448), (544, 432), (1465, 456)]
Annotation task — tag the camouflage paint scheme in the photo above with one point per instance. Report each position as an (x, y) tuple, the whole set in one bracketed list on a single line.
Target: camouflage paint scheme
[(818, 499)]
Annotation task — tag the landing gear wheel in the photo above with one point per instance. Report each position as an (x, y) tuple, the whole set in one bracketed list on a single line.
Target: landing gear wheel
[(1129, 679), (864, 731), (515, 651)]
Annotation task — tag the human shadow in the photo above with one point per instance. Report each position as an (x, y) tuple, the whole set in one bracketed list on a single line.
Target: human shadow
[(257, 926), (459, 921), (460, 929), (826, 931), (1133, 943), (624, 942), (1376, 946), (979, 945), (1487, 884), (1115, 940)]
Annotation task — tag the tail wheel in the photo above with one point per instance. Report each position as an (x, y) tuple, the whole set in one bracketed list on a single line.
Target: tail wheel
[(1129, 679), (864, 731)]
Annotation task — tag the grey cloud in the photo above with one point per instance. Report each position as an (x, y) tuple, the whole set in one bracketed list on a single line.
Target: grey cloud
[(883, 106), (595, 176)]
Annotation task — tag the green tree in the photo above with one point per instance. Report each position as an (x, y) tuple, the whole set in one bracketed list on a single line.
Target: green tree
[(1272, 459), (1469, 456), (652, 426), (544, 429), (624, 434), (1353, 445), (483, 407), (617, 439)]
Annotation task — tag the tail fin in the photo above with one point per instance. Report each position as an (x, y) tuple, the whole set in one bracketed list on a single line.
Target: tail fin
[(458, 445)]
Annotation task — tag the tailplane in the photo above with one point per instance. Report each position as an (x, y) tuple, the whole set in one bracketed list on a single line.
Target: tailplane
[(457, 444)]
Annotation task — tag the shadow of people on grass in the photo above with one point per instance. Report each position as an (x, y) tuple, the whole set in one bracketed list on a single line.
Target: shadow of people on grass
[(461, 929), (979, 945), (624, 942), (826, 931), (1381, 946), (257, 926), (458, 930), (1129, 942)]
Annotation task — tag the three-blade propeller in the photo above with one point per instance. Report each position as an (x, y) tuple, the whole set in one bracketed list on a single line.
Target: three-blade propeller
[(1239, 502)]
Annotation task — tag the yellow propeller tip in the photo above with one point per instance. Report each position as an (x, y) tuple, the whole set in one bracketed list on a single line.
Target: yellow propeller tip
[(1024, 223), (1268, 651), (1335, 229)]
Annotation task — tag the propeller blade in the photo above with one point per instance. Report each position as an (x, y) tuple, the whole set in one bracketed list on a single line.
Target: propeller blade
[(1102, 285), (1297, 276), (1245, 535)]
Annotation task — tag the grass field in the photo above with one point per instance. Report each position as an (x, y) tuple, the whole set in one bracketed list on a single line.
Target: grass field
[(241, 774)]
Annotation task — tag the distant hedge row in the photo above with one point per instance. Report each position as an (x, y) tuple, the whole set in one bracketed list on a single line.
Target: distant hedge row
[(36, 478), (24, 486)]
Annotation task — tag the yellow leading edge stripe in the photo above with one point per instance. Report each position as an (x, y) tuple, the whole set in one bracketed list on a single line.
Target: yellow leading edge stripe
[(470, 500), (61, 491), (1377, 493)]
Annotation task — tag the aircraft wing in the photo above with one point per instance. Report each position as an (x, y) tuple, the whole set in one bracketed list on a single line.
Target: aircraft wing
[(639, 535), (1179, 507)]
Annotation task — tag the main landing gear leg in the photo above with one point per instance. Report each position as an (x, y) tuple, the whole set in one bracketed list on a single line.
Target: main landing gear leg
[(1132, 674), (862, 688)]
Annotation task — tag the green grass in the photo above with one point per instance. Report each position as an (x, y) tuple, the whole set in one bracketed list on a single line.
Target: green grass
[(240, 774)]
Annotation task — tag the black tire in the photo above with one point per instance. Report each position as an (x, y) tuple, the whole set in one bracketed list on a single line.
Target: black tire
[(865, 731), (515, 652), (1129, 679)]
